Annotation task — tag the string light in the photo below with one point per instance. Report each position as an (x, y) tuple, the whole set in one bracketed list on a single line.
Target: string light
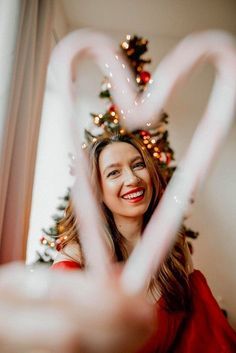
[(96, 120), (125, 45), (156, 155)]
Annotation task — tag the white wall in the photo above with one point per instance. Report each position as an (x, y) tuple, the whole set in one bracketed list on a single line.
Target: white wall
[(214, 211)]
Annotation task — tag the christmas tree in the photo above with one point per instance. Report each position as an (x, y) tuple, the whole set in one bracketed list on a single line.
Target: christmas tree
[(156, 141), (51, 238)]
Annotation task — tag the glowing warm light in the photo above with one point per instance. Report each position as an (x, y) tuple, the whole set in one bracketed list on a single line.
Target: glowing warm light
[(125, 45), (156, 155)]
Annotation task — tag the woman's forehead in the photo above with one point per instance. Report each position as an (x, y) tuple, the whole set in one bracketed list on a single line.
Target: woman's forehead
[(117, 152)]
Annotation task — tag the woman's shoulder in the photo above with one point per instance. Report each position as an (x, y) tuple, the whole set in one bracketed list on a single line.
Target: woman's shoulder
[(69, 258), (198, 280), (66, 265), (206, 320), (181, 330)]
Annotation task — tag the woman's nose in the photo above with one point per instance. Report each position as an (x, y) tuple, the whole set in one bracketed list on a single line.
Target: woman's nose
[(131, 178)]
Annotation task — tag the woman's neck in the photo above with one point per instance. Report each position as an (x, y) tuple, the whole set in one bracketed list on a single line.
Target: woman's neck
[(130, 228)]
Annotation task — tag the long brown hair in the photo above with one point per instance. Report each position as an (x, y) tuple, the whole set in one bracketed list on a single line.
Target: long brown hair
[(171, 281)]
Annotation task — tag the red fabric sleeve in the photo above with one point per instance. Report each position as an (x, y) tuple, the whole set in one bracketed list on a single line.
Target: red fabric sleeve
[(204, 329), (66, 265), (167, 326)]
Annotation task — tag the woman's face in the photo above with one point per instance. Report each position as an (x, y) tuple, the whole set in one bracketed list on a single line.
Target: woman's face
[(125, 181)]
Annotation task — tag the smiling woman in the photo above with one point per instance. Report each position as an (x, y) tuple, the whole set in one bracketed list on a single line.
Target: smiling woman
[(129, 186)]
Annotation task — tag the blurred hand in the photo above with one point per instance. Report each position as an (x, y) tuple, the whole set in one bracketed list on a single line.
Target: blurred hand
[(53, 311)]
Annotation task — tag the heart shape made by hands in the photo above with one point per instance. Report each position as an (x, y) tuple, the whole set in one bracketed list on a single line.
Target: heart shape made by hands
[(135, 111)]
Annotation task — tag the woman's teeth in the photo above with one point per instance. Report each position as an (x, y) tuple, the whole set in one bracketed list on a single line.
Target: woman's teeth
[(134, 195)]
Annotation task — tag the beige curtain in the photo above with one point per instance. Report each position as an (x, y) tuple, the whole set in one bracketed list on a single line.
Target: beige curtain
[(22, 124)]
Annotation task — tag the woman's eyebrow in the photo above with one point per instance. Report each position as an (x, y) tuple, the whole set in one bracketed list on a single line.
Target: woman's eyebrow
[(111, 166), (136, 158), (118, 164)]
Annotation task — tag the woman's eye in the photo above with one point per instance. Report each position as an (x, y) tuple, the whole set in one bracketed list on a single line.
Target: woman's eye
[(113, 173), (139, 165)]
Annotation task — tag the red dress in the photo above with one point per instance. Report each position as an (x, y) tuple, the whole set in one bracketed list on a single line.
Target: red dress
[(203, 330)]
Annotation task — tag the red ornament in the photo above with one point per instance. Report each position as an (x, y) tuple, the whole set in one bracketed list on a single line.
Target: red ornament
[(144, 133), (112, 108), (145, 77), (58, 245), (168, 158), (42, 239)]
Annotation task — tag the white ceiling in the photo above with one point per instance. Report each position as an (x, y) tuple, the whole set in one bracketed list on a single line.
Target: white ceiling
[(171, 18)]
